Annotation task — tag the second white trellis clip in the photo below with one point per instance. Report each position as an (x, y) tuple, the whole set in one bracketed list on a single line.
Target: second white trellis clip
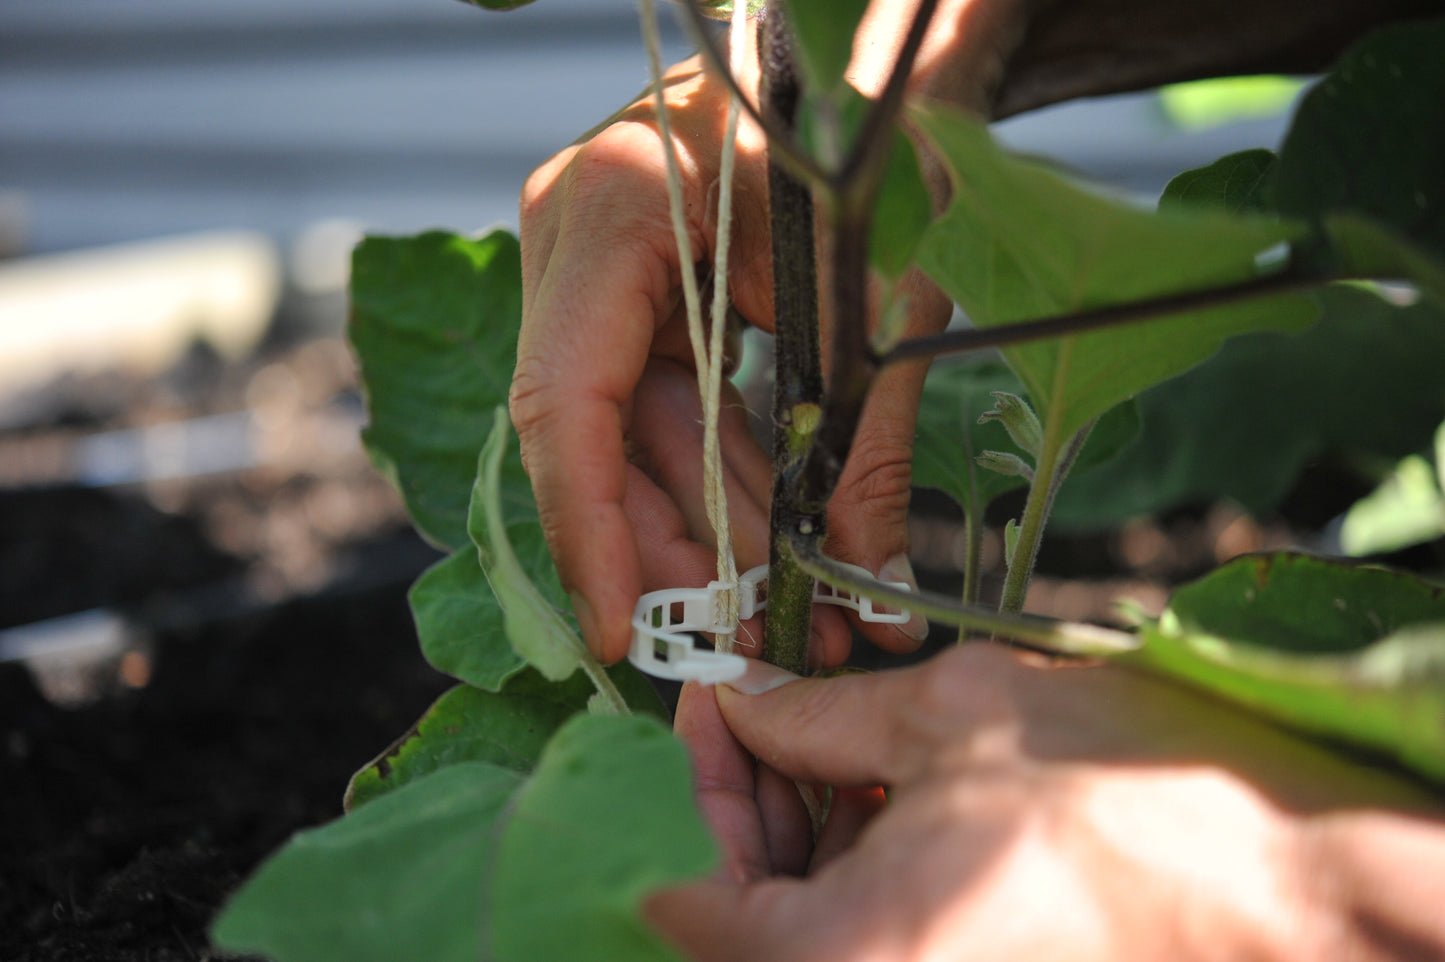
[(663, 621)]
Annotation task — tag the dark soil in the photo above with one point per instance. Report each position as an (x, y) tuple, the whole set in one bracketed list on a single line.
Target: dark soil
[(125, 824)]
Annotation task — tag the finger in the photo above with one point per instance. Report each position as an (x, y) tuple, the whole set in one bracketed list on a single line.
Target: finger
[(667, 438), (868, 514), (585, 337), (725, 786), (865, 730), (851, 811), (717, 922), (669, 557), (787, 827)]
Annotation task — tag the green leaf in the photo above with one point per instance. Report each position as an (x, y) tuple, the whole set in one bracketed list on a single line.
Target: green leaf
[(1367, 249), (538, 630), (435, 869), (400, 878), (823, 32), (1236, 184), (468, 724), (1020, 242), (949, 437), (902, 212), (955, 396), (1354, 655), (434, 323), (508, 728), (608, 817), (1369, 139), (1365, 380), (1407, 509), (460, 624), (829, 125)]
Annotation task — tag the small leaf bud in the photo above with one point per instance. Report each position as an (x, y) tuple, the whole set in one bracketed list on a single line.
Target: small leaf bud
[(1022, 424), (1009, 465)]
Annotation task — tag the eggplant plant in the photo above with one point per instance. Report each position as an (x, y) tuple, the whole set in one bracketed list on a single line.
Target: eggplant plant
[(531, 809)]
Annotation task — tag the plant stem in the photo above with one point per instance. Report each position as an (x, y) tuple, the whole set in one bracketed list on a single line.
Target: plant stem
[(1028, 631), (606, 690), (1041, 494), (798, 385)]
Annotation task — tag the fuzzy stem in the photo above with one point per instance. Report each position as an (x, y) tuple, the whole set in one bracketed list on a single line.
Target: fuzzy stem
[(798, 386), (1027, 631), (611, 697)]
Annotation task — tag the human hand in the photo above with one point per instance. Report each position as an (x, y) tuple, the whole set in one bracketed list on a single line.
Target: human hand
[(603, 398), (1076, 813)]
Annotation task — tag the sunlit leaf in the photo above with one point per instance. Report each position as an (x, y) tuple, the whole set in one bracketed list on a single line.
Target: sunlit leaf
[(1354, 655), (1201, 104), (434, 321), (1407, 508), (1020, 242), (823, 31)]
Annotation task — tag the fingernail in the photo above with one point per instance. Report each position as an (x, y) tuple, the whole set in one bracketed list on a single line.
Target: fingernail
[(586, 619), (899, 568), (761, 677)]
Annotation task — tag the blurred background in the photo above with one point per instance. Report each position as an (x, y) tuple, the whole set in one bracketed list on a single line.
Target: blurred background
[(180, 189), (203, 628)]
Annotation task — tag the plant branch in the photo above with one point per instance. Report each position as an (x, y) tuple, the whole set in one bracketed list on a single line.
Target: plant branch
[(1035, 632), (782, 147), (1114, 315)]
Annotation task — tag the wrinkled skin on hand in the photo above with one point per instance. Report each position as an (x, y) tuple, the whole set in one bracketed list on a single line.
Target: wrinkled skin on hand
[(1032, 813)]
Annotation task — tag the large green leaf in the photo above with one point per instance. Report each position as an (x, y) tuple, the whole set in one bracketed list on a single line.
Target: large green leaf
[(434, 322), (1369, 139), (401, 878), (608, 817), (1354, 655), (1365, 380), (1019, 242), (434, 870)]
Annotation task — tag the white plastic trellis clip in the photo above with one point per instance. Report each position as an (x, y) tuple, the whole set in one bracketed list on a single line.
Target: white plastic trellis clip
[(663, 621), (662, 645)]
